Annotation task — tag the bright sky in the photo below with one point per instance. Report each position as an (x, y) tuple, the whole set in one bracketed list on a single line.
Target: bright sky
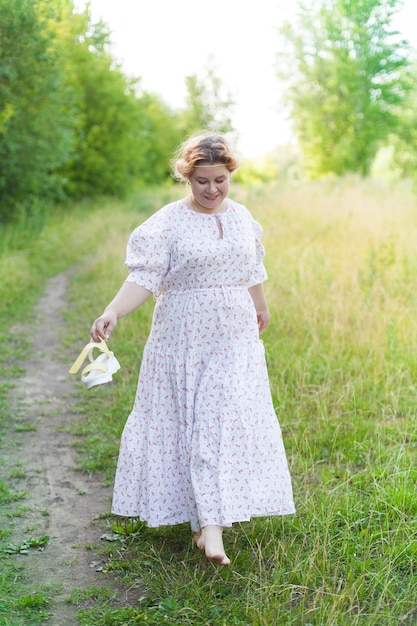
[(162, 41)]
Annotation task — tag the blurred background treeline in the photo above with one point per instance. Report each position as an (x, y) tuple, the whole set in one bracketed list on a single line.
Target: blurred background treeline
[(73, 125)]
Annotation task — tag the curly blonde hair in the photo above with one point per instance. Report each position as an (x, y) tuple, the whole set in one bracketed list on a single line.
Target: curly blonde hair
[(205, 148)]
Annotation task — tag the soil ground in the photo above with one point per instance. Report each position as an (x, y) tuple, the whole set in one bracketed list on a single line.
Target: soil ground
[(66, 504)]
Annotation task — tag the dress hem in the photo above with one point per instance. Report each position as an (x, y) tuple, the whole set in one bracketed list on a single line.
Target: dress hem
[(195, 527)]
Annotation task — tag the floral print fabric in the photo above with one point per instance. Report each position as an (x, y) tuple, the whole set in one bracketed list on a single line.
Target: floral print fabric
[(202, 443)]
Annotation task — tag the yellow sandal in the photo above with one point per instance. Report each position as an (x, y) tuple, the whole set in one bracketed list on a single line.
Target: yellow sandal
[(99, 370)]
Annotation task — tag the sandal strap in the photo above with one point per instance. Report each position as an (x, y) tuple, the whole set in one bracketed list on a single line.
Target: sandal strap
[(96, 365), (107, 352), (102, 346)]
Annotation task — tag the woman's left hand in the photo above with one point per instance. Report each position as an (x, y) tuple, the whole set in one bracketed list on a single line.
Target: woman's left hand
[(263, 319)]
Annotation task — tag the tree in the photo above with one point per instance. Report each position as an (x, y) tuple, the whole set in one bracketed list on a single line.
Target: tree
[(71, 122), (347, 74), (125, 135), (404, 140), (208, 103), (105, 103), (159, 133), (36, 132)]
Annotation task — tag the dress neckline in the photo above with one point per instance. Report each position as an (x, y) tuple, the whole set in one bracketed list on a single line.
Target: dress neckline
[(215, 213)]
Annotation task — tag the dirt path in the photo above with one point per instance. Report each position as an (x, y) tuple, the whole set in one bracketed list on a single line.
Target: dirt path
[(62, 503)]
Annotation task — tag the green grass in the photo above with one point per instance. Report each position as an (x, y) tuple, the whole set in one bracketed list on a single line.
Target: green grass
[(342, 358), (18, 604), (28, 256)]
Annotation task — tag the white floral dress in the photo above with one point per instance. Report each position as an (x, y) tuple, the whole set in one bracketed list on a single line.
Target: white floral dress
[(202, 443)]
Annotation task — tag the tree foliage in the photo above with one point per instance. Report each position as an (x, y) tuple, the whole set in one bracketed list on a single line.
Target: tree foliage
[(119, 125), (347, 73), (71, 122), (404, 141), (35, 130)]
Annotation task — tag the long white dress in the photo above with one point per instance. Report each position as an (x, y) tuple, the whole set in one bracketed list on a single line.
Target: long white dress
[(202, 443)]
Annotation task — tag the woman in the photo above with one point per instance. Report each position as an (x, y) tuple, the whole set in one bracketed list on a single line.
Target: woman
[(202, 444)]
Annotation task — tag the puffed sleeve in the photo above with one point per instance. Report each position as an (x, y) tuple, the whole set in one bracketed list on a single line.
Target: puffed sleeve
[(148, 252), (259, 274)]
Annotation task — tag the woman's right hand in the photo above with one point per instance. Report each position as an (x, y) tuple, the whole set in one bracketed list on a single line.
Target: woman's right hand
[(103, 326), (129, 297)]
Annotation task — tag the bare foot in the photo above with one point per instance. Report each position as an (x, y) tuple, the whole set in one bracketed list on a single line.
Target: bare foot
[(210, 540)]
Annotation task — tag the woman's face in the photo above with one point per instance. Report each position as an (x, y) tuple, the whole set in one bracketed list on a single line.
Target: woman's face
[(210, 186)]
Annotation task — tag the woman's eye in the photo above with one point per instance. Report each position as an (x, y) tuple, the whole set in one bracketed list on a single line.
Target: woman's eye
[(218, 181)]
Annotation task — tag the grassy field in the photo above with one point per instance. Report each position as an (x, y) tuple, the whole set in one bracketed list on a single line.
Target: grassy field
[(342, 355)]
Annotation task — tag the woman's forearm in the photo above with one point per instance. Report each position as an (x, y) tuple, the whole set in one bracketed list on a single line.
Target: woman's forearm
[(258, 296), (129, 297), (261, 306)]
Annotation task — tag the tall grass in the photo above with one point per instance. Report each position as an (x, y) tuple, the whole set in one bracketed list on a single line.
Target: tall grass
[(341, 353), (341, 348)]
